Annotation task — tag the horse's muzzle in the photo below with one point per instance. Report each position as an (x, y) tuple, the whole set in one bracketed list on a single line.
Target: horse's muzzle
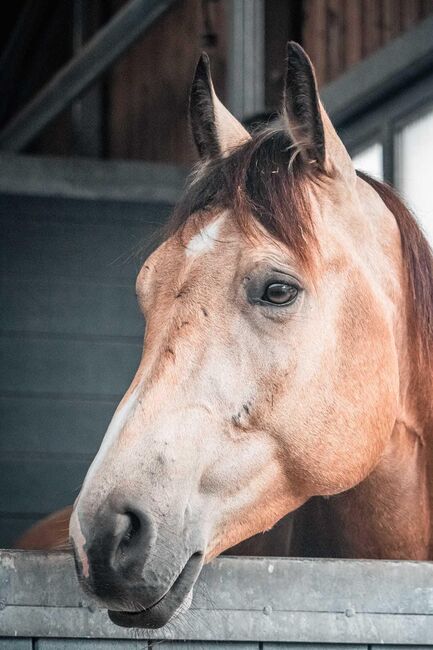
[(120, 565)]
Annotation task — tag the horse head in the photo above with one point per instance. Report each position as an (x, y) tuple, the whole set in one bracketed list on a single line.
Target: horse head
[(270, 367)]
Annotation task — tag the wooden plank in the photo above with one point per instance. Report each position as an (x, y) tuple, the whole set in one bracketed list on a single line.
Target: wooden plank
[(148, 117), (371, 27), (87, 121), (340, 33), (409, 14), (283, 22), (352, 32), (31, 425), (21, 29), (67, 367), (34, 485), (72, 307), (315, 37), (53, 33), (374, 79), (79, 73), (335, 40), (391, 19), (426, 8), (75, 240), (68, 282), (110, 180)]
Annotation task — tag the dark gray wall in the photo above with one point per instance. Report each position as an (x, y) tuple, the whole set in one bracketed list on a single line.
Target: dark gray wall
[(70, 340)]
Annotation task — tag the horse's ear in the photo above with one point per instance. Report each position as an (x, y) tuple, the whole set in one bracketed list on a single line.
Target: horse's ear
[(307, 121), (214, 128)]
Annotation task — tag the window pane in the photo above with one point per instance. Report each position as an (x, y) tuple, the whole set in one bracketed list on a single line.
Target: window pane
[(414, 169), (370, 160)]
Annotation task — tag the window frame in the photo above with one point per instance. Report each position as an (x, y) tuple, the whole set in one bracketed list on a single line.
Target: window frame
[(383, 124)]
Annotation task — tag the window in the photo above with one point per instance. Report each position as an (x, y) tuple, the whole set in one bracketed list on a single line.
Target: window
[(395, 143), (370, 160), (414, 167)]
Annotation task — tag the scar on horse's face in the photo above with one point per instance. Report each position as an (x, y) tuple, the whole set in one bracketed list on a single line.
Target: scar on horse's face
[(263, 380)]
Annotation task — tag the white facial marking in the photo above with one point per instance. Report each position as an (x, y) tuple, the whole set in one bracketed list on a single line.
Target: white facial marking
[(204, 240), (76, 534), (114, 429)]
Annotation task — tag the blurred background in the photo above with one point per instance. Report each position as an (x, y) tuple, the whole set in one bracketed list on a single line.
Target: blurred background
[(94, 151)]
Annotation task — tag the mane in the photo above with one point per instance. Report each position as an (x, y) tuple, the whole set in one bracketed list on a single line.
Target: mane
[(267, 177), (418, 262)]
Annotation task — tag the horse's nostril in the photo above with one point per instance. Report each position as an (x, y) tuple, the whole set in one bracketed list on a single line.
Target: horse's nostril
[(133, 528), (119, 539), (135, 538)]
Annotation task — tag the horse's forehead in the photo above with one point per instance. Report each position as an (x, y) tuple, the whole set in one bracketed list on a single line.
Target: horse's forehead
[(205, 240), (214, 240), (216, 233)]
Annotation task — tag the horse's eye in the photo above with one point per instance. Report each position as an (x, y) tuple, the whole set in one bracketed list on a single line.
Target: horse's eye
[(279, 293)]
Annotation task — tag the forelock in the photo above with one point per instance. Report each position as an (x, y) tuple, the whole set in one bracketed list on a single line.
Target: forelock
[(264, 178)]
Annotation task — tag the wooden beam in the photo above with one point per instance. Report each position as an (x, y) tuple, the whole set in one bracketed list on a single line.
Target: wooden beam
[(99, 53), (75, 178), (403, 61), (87, 111)]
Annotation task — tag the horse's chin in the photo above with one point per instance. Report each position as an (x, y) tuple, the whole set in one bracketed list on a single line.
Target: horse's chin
[(154, 617), (176, 601)]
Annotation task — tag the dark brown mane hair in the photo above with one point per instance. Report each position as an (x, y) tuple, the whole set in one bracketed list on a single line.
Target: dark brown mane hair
[(418, 261), (264, 177)]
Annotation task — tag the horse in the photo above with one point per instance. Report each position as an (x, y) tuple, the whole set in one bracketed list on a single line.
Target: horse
[(286, 368)]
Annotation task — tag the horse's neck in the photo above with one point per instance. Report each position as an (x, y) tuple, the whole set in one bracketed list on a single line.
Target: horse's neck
[(385, 516), (410, 452)]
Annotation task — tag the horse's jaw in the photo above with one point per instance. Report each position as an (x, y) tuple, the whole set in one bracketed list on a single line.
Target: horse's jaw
[(175, 602)]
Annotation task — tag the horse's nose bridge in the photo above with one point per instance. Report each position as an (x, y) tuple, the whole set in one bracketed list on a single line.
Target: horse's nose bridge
[(152, 455), (176, 344), (165, 445)]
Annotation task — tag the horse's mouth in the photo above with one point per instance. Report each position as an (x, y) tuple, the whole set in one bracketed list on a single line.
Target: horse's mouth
[(174, 601)]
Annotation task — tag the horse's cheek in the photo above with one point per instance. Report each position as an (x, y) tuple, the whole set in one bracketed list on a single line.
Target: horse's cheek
[(333, 432)]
